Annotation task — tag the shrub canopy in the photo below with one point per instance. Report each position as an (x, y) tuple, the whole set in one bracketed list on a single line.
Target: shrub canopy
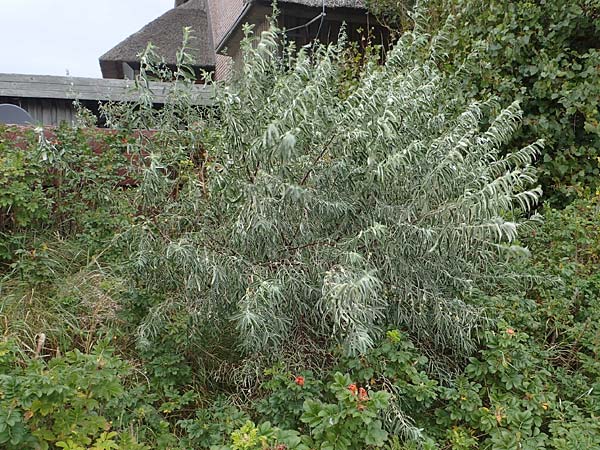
[(543, 53), (322, 215)]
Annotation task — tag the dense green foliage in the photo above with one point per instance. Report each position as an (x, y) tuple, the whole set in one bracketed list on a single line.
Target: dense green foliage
[(304, 267), (62, 403), (65, 183), (533, 385), (323, 219), (544, 53), (533, 382)]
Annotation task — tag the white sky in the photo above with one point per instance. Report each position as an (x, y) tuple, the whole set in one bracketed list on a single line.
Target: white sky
[(51, 37)]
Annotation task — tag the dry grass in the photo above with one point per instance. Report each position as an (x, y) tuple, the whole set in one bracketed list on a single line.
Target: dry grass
[(72, 308)]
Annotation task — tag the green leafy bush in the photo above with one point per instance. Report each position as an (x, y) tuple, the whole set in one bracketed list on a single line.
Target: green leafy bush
[(323, 220), (213, 426), (306, 413), (533, 383), (65, 182), (352, 422), (285, 394), (22, 199), (546, 54), (252, 437), (61, 403)]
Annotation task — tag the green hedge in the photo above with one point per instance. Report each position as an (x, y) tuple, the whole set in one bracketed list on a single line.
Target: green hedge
[(544, 52)]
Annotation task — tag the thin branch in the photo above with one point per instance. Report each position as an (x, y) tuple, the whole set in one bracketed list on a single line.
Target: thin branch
[(317, 159)]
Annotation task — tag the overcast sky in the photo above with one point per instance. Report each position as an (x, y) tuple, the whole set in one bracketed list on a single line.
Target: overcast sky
[(51, 37)]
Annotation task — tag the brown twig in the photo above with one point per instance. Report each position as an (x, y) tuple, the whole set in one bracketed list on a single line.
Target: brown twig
[(41, 340), (317, 159), (312, 244)]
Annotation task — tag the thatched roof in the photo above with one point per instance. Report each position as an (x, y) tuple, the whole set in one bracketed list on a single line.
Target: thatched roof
[(329, 3), (166, 33)]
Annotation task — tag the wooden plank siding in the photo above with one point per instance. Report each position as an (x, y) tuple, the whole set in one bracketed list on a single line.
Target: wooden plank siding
[(50, 111), (49, 99), (45, 111), (72, 88)]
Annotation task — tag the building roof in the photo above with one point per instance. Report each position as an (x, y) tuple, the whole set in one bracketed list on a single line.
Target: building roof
[(329, 3), (166, 33)]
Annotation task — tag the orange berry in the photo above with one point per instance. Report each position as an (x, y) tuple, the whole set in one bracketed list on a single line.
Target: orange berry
[(362, 394)]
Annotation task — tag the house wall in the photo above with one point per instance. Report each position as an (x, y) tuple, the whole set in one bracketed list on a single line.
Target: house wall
[(223, 15), (297, 17), (260, 22), (257, 16), (44, 111)]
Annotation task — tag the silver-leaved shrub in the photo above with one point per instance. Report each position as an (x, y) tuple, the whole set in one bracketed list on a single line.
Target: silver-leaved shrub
[(296, 215)]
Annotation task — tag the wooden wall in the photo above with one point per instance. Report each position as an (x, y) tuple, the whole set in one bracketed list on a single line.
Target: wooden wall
[(44, 111), (49, 99)]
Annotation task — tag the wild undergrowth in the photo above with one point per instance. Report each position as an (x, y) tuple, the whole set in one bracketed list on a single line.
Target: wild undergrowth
[(302, 266)]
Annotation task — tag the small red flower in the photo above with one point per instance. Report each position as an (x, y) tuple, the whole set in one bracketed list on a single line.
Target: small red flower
[(362, 394), (510, 331), (352, 388), (299, 381)]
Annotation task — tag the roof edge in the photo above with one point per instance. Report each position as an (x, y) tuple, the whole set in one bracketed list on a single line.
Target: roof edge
[(221, 45)]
